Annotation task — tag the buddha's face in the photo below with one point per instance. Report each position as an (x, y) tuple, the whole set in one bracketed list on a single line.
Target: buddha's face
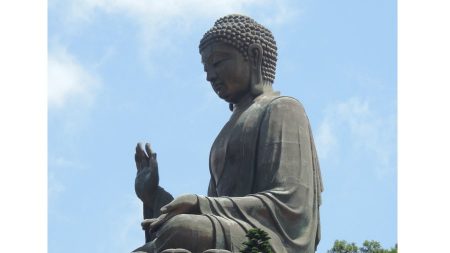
[(227, 71)]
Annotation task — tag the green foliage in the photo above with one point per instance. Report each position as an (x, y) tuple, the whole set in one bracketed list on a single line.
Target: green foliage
[(343, 247), (371, 247), (368, 247), (257, 242)]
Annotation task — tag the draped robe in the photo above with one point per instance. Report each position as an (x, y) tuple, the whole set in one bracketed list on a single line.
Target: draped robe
[(265, 174)]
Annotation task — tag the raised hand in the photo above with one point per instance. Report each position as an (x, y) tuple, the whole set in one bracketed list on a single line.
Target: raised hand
[(147, 177)]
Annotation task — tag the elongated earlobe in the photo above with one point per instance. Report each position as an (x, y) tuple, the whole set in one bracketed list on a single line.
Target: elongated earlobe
[(255, 53)]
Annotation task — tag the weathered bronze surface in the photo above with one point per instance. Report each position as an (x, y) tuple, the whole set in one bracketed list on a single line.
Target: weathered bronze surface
[(263, 164)]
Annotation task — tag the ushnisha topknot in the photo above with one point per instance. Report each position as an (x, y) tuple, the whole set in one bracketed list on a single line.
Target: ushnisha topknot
[(240, 32)]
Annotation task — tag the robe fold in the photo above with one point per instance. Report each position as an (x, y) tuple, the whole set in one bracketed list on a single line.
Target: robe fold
[(265, 174)]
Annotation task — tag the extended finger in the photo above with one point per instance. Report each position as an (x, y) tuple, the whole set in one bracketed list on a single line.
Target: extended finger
[(141, 150), (167, 208), (148, 149), (150, 153), (141, 156), (159, 221), (138, 157), (138, 152), (138, 161), (146, 223)]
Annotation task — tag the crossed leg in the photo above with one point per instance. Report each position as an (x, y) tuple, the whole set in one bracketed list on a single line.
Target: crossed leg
[(187, 231)]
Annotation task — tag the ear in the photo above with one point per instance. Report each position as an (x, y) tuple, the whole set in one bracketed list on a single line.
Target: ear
[(255, 53)]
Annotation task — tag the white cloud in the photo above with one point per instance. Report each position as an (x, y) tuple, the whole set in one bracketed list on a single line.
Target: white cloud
[(354, 125), (55, 186), (68, 79), (325, 139), (283, 14), (123, 232), (60, 163), (130, 224), (154, 16), (160, 12), (57, 165)]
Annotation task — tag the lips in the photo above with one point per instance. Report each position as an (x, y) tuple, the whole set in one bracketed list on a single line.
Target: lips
[(218, 88)]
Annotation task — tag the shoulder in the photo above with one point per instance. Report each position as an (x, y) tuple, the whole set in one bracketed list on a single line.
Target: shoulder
[(285, 104), (284, 115)]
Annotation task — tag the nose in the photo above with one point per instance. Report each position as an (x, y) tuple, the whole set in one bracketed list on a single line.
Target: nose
[(211, 75)]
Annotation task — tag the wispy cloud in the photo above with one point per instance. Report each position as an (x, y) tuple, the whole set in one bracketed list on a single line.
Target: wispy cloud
[(354, 125), (124, 227), (154, 17), (283, 13), (163, 12), (325, 138), (58, 166), (55, 186), (68, 80)]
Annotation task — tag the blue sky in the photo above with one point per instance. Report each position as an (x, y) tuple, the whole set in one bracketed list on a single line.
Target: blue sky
[(126, 71)]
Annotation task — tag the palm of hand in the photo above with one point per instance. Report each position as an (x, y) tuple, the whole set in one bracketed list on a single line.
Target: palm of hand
[(147, 177)]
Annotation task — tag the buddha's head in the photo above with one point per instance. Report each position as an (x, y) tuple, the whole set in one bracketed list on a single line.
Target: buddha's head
[(239, 56)]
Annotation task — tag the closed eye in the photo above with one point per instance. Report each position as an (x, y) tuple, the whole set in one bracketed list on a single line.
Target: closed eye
[(218, 62)]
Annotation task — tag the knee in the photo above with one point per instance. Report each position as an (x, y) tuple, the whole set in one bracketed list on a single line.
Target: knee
[(182, 219), (187, 226), (181, 223)]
